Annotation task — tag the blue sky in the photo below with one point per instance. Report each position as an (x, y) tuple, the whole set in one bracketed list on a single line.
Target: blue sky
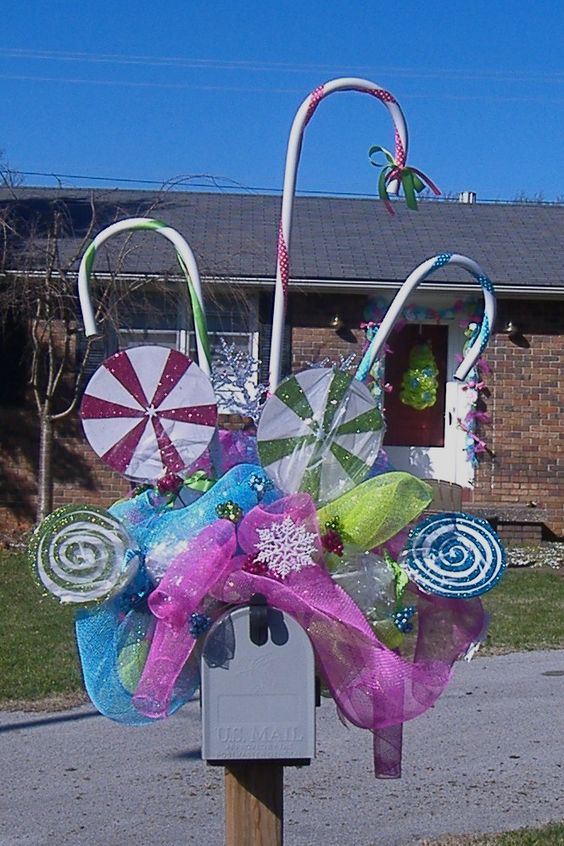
[(145, 91)]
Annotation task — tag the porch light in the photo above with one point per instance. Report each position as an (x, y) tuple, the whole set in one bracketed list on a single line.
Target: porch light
[(512, 330), (336, 322)]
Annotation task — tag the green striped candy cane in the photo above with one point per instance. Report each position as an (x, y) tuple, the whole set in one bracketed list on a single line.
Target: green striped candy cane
[(188, 265)]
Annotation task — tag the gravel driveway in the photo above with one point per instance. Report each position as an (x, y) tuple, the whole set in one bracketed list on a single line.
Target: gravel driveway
[(487, 757)]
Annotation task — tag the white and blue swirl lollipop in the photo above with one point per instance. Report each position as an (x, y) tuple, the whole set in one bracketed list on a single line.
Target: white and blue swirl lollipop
[(454, 555)]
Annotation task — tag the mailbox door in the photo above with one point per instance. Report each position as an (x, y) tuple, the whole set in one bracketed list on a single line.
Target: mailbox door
[(258, 702)]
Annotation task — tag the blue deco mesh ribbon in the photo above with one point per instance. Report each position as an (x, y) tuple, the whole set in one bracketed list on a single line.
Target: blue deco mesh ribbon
[(114, 638), (113, 641)]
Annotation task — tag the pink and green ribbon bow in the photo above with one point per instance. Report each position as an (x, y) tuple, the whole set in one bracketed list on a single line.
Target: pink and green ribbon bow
[(412, 180)]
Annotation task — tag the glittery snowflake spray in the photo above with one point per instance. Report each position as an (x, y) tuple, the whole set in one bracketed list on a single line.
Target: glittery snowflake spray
[(234, 380), (344, 363), (286, 547)]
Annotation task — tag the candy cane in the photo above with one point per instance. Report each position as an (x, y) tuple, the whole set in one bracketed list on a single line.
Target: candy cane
[(187, 263), (302, 118), (413, 280)]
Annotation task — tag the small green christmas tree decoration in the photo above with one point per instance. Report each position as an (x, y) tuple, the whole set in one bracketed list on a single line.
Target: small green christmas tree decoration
[(419, 384)]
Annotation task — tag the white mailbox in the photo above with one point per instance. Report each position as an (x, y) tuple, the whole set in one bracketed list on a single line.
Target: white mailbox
[(258, 688)]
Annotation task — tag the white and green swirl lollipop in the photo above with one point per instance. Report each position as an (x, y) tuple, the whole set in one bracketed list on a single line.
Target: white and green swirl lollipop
[(83, 554)]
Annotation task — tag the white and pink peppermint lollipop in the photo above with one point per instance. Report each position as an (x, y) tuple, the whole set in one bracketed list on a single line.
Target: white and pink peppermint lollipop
[(148, 411)]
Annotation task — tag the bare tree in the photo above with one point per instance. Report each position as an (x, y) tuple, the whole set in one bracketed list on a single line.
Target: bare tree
[(40, 258), (9, 178)]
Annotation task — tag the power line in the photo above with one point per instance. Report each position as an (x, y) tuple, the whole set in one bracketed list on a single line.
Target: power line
[(245, 89), (191, 181), (269, 66), (244, 66), (119, 83), (185, 183), (209, 181)]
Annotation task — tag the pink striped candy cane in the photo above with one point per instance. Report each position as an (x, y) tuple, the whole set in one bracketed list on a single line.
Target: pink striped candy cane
[(302, 118)]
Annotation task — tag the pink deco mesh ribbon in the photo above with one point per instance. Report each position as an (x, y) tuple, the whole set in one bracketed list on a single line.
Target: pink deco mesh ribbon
[(374, 687), (181, 592)]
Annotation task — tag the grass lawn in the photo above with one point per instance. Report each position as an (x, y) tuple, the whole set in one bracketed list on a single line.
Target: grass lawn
[(548, 835), (38, 656), (527, 609)]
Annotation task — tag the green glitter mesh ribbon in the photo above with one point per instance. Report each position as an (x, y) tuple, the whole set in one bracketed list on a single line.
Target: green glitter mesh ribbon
[(420, 383), (378, 509)]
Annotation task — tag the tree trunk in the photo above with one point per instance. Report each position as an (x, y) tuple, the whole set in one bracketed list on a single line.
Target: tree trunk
[(45, 469)]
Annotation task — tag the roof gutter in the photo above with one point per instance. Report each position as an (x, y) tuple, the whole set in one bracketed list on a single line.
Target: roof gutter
[(339, 286), (369, 286)]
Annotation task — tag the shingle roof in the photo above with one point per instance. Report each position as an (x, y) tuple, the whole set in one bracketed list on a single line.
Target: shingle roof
[(520, 246)]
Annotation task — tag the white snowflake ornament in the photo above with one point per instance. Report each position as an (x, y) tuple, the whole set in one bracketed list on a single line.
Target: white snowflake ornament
[(286, 547)]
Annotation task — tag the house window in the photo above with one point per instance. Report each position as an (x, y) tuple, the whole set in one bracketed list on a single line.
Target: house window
[(234, 321)]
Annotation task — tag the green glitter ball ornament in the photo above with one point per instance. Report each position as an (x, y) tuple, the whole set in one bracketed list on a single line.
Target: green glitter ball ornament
[(229, 510)]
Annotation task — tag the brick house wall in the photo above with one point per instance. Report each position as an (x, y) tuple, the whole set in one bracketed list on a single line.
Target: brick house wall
[(526, 403), (79, 475), (526, 386), (312, 339)]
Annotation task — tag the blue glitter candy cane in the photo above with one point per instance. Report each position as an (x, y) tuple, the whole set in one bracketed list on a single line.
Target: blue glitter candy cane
[(413, 280)]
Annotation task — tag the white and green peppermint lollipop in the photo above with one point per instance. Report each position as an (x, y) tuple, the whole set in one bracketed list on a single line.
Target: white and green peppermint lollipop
[(319, 433), (83, 554)]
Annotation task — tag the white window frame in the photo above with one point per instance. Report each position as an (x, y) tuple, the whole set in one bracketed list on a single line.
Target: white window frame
[(183, 339)]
